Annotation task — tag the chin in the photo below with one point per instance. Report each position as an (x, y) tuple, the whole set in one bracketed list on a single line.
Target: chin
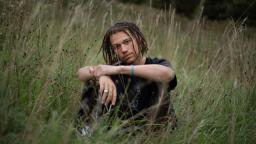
[(128, 62)]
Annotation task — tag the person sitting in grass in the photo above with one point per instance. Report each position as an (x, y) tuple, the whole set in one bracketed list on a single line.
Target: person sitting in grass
[(133, 85)]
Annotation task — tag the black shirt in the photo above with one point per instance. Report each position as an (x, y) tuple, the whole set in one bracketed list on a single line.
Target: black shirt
[(135, 93)]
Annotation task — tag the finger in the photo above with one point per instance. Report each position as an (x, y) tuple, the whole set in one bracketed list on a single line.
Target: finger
[(95, 73), (98, 71), (91, 70), (101, 89), (96, 68), (109, 97), (114, 96), (104, 94)]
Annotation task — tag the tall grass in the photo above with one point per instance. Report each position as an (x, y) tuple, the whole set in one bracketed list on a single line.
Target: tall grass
[(43, 44)]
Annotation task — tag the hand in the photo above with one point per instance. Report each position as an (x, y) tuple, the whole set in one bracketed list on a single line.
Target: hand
[(85, 73), (101, 70), (107, 90)]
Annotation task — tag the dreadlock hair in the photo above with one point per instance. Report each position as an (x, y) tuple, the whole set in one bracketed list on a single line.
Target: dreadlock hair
[(133, 30)]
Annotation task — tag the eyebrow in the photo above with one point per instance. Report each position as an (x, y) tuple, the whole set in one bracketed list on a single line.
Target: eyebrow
[(126, 39)]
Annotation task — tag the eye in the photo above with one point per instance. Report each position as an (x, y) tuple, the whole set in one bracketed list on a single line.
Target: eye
[(126, 41), (116, 46)]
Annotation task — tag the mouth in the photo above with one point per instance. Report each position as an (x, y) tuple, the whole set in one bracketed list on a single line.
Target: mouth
[(127, 57)]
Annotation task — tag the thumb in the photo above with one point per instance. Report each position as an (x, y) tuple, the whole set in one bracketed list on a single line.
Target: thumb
[(91, 70)]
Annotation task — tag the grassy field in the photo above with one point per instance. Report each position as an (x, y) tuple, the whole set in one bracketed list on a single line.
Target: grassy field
[(42, 45)]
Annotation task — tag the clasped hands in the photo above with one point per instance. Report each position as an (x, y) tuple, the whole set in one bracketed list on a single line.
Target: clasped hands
[(102, 74)]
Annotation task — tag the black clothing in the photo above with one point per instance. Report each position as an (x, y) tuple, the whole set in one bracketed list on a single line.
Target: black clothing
[(134, 94), (138, 93)]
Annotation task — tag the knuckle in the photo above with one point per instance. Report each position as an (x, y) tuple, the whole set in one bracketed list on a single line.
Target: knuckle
[(109, 99)]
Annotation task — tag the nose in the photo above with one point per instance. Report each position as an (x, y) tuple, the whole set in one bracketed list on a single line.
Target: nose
[(124, 48)]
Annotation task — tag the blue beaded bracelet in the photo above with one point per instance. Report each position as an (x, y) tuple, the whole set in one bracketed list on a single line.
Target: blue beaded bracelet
[(132, 70)]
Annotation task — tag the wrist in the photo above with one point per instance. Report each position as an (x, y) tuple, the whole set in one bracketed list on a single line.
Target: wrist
[(129, 70), (120, 69), (102, 78)]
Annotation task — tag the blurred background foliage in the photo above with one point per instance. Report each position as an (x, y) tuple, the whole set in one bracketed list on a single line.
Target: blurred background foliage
[(212, 9)]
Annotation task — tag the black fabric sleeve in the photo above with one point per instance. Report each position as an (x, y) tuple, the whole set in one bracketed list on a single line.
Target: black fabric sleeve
[(173, 83)]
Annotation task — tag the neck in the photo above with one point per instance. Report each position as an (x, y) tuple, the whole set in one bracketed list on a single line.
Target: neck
[(140, 61)]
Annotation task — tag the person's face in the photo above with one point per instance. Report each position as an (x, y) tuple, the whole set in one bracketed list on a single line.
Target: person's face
[(125, 47)]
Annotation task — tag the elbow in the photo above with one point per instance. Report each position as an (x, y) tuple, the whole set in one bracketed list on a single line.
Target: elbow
[(80, 74), (172, 75), (169, 76)]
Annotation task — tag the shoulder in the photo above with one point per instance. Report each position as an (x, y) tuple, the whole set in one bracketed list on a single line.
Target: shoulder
[(160, 61), (173, 83)]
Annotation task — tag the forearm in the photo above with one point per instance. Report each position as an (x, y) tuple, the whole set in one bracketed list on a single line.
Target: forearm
[(85, 74), (154, 72)]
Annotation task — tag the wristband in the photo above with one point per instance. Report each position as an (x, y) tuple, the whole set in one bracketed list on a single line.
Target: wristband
[(132, 70)]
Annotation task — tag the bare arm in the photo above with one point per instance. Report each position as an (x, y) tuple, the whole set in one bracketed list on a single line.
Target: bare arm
[(105, 83), (154, 72)]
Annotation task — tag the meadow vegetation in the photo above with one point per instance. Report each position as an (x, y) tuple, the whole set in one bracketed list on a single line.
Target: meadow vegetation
[(43, 44)]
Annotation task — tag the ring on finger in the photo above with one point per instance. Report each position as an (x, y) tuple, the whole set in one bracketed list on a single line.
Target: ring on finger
[(105, 91)]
